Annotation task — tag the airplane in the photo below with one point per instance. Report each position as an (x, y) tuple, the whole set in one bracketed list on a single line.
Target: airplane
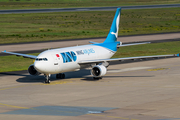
[(95, 55)]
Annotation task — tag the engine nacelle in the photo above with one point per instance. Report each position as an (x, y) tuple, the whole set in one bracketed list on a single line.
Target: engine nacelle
[(98, 70), (32, 70)]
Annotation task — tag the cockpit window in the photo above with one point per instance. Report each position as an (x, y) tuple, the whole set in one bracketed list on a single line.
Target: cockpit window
[(41, 59), (45, 59)]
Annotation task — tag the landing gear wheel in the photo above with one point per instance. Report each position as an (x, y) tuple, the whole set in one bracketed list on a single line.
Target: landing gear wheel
[(47, 81), (60, 76), (47, 78), (63, 76)]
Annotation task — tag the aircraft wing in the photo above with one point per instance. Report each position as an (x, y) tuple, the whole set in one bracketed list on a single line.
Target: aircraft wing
[(126, 58), (19, 54)]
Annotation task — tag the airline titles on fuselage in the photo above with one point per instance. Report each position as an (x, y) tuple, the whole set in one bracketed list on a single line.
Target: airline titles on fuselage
[(85, 51), (71, 56)]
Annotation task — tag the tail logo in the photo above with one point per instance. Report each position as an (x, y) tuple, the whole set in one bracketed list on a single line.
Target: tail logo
[(117, 27)]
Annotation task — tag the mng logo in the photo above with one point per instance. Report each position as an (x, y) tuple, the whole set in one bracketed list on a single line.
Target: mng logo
[(69, 56)]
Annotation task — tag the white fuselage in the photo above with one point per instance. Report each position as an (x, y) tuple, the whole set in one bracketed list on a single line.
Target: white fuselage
[(67, 59)]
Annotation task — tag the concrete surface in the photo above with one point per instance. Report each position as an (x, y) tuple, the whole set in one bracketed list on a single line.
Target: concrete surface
[(86, 9), (147, 90)]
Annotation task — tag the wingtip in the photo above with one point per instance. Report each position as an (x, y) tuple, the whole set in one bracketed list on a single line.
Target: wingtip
[(3, 51), (177, 55)]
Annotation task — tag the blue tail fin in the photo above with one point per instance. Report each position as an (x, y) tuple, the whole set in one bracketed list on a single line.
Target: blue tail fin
[(113, 33)]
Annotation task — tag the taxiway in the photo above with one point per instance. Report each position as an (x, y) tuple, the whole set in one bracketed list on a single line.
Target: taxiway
[(36, 47), (147, 90), (86, 9)]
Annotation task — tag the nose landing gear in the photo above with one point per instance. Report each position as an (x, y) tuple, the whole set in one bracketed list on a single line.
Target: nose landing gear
[(47, 78), (58, 76)]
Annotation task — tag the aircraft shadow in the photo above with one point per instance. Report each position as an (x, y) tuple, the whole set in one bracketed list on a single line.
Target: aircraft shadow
[(31, 79), (18, 73), (128, 76), (91, 78), (41, 78), (82, 74)]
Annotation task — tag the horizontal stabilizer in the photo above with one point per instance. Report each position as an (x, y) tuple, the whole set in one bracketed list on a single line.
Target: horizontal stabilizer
[(123, 45), (93, 42)]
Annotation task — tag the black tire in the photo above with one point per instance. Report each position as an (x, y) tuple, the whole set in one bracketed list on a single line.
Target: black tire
[(60, 76), (47, 81), (63, 76)]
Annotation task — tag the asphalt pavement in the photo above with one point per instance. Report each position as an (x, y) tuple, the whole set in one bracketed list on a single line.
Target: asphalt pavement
[(87, 9), (35, 47), (147, 90)]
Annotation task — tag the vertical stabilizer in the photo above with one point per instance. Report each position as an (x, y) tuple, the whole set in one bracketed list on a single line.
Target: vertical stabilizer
[(113, 33)]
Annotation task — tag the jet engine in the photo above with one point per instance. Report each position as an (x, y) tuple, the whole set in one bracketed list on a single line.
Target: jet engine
[(32, 70), (98, 70)]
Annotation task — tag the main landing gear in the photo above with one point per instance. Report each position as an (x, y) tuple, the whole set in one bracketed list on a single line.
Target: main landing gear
[(60, 76)]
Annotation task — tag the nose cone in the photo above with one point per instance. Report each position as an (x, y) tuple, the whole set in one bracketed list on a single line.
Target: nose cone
[(39, 67)]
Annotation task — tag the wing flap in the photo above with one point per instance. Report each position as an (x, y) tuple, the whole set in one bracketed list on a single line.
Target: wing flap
[(19, 54)]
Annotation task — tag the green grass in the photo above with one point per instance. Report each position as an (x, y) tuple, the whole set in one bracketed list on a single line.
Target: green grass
[(29, 4), (13, 63), (149, 49), (16, 28)]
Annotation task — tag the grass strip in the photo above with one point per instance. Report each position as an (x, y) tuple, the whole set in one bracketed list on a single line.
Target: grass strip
[(34, 4), (13, 63), (16, 28)]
